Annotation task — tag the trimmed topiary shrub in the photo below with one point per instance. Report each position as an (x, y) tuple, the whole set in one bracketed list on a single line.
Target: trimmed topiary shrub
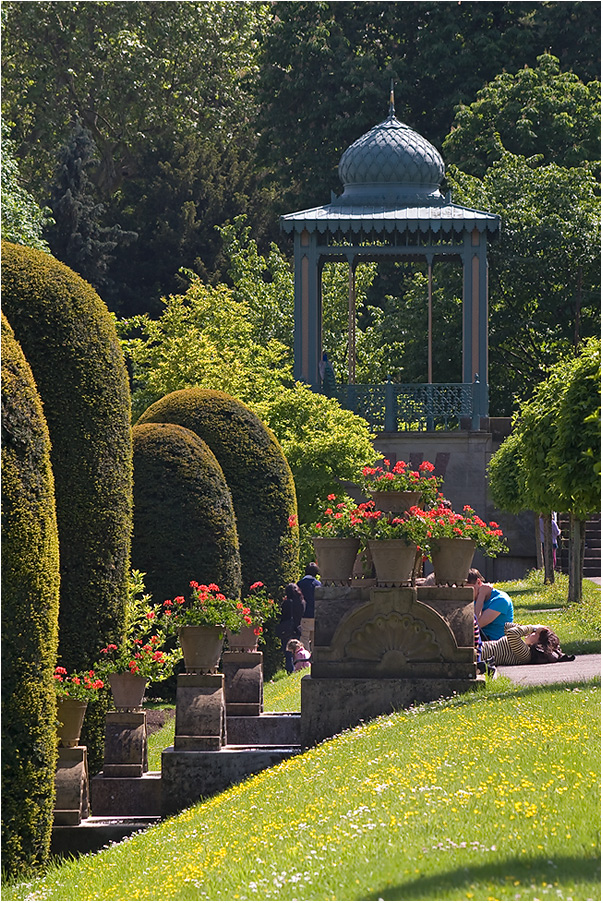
[(184, 523), (69, 339), (257, 474), (30, 606)]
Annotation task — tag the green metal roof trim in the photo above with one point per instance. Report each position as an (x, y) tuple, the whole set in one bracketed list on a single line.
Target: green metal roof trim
[(391, 177), (443, 217)]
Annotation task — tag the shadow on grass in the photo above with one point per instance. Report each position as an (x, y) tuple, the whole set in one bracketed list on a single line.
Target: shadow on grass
[(565, 870)]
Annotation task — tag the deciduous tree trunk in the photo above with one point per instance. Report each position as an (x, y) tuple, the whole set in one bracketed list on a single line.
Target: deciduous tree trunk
[(549, 564), (577, 533)]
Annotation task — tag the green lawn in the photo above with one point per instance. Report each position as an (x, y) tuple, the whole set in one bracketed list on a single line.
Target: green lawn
[(494, 795), (489, 796)]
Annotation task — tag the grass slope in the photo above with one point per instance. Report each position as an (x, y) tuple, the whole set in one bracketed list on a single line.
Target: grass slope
[(490, 796)]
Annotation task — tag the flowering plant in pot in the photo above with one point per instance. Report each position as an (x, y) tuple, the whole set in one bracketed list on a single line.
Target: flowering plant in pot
[(381, 525), (403, 478), (141, 651), (206, 607), (257, 607), (73, 695), (442, 522), (341, 519), (83, 686)]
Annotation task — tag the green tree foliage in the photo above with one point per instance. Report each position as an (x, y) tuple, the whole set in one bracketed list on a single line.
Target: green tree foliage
[(131, 72), (203, 338), (168, 98), (322, 443), (30, 605), (506, 475), (326, 68), (69, 339), (553, 457), (576, 452), (76, 237), (184, 522), (544, 271), (256, 472), (23, 221), (536, 111)]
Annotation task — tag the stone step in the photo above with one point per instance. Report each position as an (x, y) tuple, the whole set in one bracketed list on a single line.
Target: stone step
[(94, 833), (267, 729)]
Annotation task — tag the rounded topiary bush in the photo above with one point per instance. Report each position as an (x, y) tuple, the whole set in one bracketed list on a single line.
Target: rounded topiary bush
[(69, 339), (30, 605), (184, 523), (257, 474)]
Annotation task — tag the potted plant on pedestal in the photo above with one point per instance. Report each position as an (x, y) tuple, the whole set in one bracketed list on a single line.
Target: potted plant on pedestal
[(391, 541), (450, 539), (257, 608), (73, 695), (201, 622), (336, 538), (400, 487), (140, 657)]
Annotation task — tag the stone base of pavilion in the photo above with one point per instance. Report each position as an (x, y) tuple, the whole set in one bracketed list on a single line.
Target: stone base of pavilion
[(379, 650)]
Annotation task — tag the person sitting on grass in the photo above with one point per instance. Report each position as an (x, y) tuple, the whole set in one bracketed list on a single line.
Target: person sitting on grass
[(300, 655), (493, 608)]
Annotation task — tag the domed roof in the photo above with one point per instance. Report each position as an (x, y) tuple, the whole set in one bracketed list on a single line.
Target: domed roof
[(391, 164)]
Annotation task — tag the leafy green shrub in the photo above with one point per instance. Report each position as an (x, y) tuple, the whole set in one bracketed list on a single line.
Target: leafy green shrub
[(30, 605), (184, 523), (69, 339), (257, 474)]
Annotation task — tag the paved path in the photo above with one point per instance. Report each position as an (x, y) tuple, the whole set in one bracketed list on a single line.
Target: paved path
[(582, 668)]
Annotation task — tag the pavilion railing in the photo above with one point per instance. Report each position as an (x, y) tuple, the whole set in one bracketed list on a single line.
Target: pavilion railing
[(403, 407)]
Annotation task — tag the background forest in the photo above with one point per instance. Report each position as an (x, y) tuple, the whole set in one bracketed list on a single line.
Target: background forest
[(153, 146)]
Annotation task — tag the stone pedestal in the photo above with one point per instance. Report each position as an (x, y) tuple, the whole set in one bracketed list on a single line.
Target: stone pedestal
[(125, 744), (381, 649), (71, 786), (200, 712), (243, 682)]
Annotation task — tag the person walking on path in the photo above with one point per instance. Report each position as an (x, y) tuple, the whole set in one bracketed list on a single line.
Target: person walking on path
[(307, 585)]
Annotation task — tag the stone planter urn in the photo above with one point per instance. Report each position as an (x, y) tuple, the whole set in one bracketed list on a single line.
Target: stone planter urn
[(243, 641), (127, 690), (70, 714), (201, 648), (335, 557), (451, 559), (396, 500), (394, 561)]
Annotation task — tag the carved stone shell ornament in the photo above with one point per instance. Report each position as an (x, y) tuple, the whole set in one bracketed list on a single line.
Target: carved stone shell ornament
[(393, 640)]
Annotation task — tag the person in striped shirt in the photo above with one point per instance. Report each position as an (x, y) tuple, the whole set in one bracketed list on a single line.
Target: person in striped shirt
[(514, 648)]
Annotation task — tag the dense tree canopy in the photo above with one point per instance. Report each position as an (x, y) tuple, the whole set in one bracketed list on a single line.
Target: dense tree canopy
[(541, 111), (204, 112)]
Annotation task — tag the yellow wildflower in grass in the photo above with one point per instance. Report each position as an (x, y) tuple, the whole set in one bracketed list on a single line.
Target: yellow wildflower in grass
[(487, 788)]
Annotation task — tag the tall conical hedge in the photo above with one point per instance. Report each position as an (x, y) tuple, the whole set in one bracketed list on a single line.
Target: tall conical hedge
[(30, 606), (69, 339), (184, 523), (257, 473)]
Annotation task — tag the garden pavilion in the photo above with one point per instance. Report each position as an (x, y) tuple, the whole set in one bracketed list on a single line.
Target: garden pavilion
[(392, 208)]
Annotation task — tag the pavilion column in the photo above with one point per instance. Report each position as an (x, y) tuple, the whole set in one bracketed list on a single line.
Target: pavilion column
[(475, 316), (307, 340)]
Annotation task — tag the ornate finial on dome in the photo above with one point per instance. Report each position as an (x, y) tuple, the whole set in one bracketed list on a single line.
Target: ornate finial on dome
[(392, 108)]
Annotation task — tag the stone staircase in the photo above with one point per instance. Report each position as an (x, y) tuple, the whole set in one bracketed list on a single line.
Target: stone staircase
[(592, 546)]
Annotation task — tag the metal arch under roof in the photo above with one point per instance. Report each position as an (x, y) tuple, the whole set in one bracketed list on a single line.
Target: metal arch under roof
[(445, 217)]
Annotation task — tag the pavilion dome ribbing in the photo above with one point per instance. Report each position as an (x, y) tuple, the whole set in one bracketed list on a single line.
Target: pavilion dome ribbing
[(390, 164)]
